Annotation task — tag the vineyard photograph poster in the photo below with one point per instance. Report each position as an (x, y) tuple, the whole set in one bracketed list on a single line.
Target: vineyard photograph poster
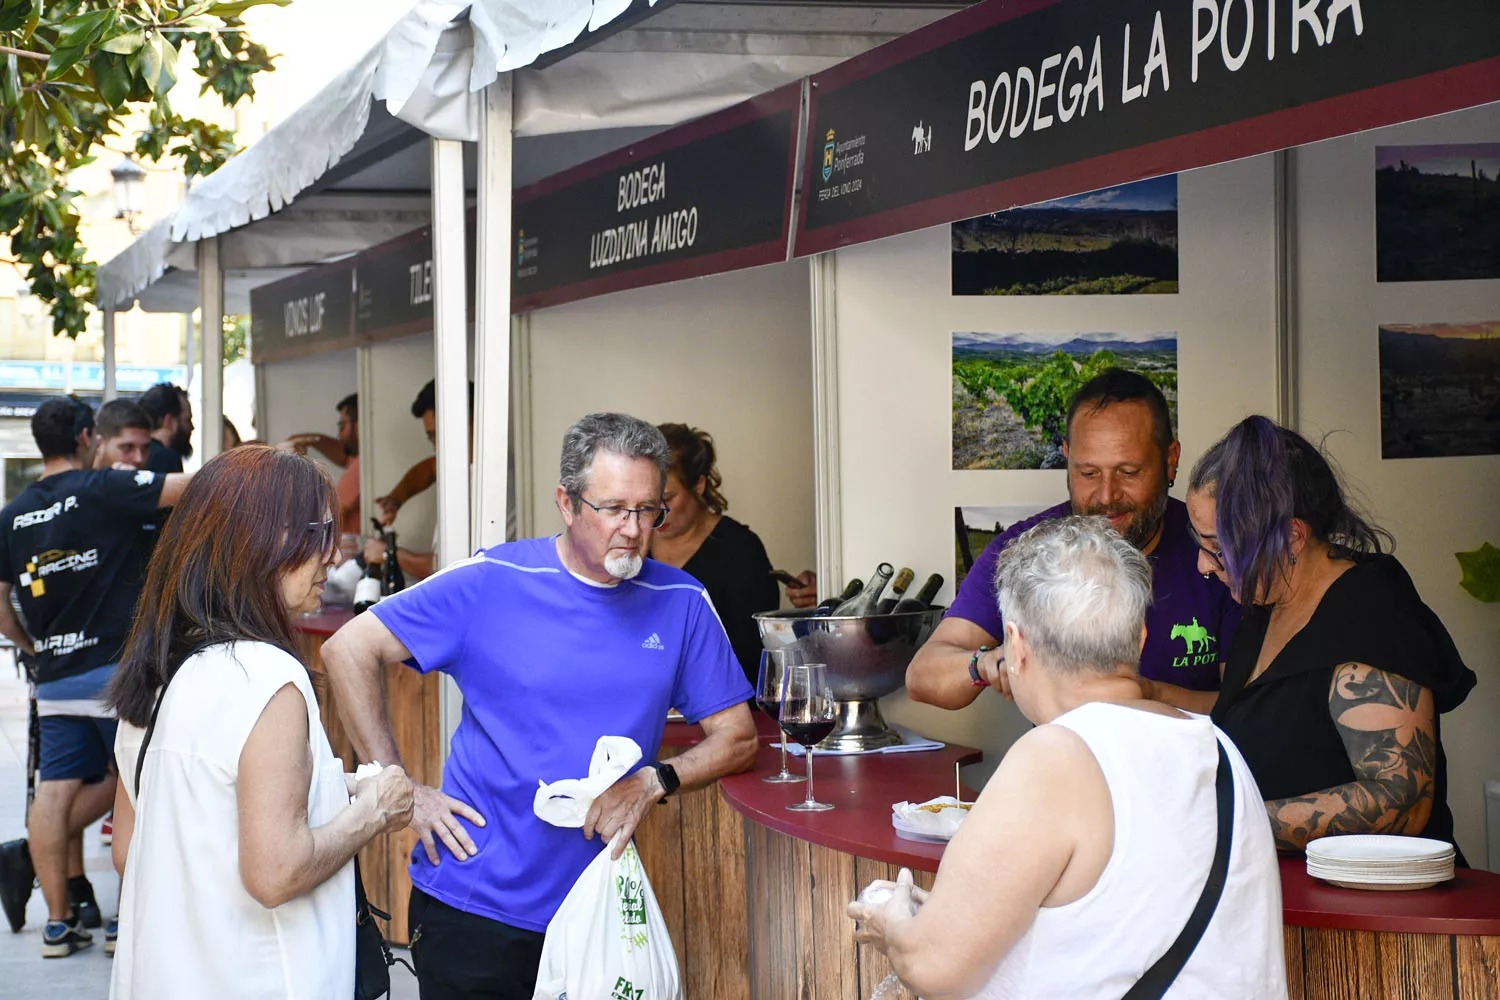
[(1011, 391)]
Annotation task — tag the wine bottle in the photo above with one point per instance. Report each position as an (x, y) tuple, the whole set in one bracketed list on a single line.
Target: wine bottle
[(897, 589), (393, 581), (865, 603), (923, 599), (827, 606), (367, 590)]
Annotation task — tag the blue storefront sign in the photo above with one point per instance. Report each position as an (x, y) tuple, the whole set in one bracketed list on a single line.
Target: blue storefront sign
[(66, 377)]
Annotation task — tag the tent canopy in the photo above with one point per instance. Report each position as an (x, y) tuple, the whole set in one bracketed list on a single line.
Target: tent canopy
[(350, 168)]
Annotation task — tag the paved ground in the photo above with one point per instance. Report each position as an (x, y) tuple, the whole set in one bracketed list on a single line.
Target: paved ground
[(84, 976)]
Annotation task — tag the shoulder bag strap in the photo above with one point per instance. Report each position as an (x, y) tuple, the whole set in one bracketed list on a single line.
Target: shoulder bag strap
[(1159, 978), (140, 759)]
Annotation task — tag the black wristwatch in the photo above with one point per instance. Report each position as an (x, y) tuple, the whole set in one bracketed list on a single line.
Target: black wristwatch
[(668, 776)]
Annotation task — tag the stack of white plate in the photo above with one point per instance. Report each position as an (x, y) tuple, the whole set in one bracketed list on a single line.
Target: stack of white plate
[(1372, 861)]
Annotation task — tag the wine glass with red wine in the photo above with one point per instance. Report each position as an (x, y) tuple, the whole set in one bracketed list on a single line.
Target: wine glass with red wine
[(768, 696), (807, 716)]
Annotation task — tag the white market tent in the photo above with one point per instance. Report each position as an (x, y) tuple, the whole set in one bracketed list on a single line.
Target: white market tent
[(458, 101)]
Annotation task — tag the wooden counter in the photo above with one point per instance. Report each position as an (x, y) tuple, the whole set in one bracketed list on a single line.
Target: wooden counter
[(413, 702), (804, 868)]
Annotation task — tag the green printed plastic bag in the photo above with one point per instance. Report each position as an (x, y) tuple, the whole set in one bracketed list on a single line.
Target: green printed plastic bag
[(608, 940)]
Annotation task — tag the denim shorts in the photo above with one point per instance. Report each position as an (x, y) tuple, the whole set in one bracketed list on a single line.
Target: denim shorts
[(76, 746)]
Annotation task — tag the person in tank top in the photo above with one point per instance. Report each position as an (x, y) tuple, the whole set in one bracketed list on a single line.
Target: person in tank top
[(1089, 847)]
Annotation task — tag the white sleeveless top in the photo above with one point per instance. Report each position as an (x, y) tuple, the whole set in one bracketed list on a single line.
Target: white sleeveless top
[(188, 927), (1160, 771)]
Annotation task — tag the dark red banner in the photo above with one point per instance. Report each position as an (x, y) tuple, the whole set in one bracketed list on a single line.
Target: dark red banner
[(1012, 102), (710, 196)]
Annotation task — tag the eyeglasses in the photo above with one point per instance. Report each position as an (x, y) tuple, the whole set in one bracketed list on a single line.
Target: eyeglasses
[(327, 537), (657, 515), (1216, 555)]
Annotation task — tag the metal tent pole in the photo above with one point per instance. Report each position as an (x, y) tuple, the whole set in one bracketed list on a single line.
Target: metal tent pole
[(210, 420), (492, 317), (110, 391)]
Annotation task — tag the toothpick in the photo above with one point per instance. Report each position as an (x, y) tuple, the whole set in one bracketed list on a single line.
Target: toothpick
[(958, 784)]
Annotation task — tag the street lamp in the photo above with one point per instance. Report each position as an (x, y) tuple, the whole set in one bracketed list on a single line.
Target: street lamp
[(127, 176)]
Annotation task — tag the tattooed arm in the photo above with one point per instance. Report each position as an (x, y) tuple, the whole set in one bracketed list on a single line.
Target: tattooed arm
[(1389, 726)]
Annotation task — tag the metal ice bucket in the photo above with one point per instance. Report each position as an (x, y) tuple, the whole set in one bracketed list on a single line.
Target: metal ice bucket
[(866, 658)]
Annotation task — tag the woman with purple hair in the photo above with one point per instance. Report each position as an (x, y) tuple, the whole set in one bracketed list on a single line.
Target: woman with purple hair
[(1335, 682)]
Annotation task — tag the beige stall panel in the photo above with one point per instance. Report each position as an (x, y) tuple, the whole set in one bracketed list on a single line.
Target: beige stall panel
[(398, 370), (301, 395), (896, 317), (728, 353), (1434, 506)]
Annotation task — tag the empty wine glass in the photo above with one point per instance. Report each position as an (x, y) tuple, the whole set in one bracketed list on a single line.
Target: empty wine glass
[(807, 716), (768, 696)]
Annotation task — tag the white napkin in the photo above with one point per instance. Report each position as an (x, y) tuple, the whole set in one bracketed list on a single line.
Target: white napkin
[(911, 742), (943, 823), (566, 802)]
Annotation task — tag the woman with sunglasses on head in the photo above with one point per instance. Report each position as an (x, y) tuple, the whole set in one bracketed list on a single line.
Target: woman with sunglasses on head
[(1335, 682), (720, 552), (240, 831)]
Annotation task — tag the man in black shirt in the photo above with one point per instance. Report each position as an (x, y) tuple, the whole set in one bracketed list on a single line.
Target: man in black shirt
[(172, 426), (71, 549), (122, 431)]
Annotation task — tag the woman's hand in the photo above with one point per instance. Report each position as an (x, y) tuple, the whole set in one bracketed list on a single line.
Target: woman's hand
[(876, 921), (389, 795)]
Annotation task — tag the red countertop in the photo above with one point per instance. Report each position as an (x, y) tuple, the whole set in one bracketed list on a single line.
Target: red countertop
[(1468, 905), (683, 735), (861, 790), (323, 623)]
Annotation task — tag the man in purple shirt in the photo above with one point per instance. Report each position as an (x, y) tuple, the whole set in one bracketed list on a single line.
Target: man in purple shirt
[(1122, 457), (553, 642)]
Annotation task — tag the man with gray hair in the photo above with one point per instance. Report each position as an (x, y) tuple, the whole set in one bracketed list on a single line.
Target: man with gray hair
[(553, 642), (1128, 792)]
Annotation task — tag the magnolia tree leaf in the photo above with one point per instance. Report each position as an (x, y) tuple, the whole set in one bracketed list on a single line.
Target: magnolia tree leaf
[(238, 7), (125, 44), (112, 77), (1481, 572)]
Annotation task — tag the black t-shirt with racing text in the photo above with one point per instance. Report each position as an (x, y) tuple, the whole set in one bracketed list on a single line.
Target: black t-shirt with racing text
[(74, 546)]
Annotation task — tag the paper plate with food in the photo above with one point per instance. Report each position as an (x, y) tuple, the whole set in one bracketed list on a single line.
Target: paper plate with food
[(934, 821)]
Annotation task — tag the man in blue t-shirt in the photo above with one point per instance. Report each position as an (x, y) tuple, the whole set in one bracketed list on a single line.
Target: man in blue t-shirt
[(553, 642), (1122, 457)]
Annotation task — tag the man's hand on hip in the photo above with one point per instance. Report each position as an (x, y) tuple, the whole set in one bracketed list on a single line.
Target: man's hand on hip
[(622, 806), (434, 816)]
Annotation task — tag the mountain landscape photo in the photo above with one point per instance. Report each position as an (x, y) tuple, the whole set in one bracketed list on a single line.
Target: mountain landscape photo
[(1437, 212), (1115, 241), (1439, 389)]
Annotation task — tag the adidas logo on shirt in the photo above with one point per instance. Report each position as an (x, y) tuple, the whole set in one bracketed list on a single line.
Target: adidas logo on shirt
[(653, 641)]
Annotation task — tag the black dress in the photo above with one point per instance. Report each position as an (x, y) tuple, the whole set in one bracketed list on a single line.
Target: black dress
[(733, 567), (1372, 615)]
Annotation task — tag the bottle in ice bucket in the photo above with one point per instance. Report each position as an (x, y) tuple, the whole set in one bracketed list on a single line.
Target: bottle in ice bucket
[(867, 601), (894, 594), (924, 597), (826, 608)]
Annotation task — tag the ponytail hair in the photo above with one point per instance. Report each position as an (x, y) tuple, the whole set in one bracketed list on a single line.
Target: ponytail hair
[(694, 458), (1262, 476)]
